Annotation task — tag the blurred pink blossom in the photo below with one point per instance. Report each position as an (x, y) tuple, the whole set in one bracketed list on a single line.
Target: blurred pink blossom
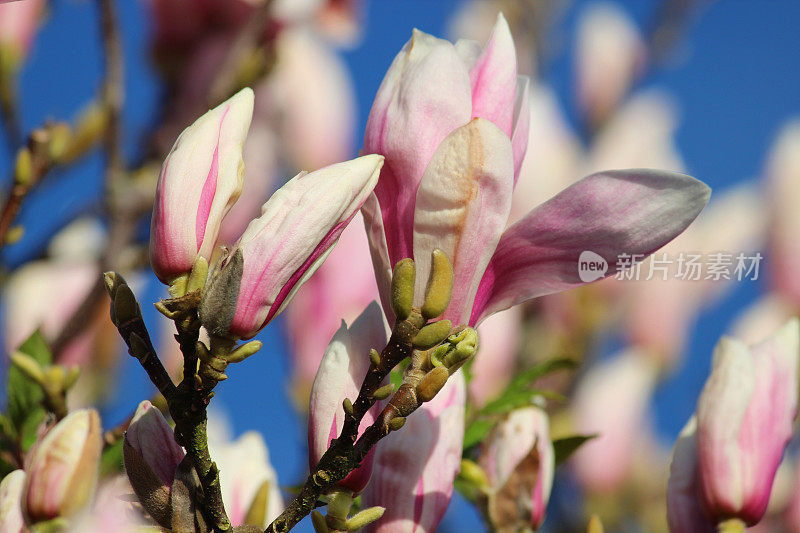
[(610, 52), (11, 488), (342, 287), (611, 400), (19, 22), (745, 418), (509, 443)]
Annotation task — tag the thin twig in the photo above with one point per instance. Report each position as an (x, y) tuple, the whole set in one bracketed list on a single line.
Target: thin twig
[(246, 41), (347, 451)]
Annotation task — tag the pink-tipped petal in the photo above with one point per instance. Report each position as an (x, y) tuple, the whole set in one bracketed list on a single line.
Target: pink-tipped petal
[(617, 212), (684, 512), (494, 79), (340, 375), (200, 180), (297, 228), (462, 208), (522, 124), (745, 419), (424, 96)]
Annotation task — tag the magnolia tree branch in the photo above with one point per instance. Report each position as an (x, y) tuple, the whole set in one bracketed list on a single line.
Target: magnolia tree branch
[(435, 355)]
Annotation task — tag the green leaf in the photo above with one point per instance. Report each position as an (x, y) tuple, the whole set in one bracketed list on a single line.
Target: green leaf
[(509, 401), (396, 375), (526, 377), (566, 446), (476, 432), (111, 460), (25, 396)]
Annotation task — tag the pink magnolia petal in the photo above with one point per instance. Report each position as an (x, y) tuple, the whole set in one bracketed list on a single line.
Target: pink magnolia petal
[(494, 79), (379, 251), (297, 228), (611, 213), (415, 468), (684, 512), (424, 96), (462, 208), (522, 124), (340, 374)]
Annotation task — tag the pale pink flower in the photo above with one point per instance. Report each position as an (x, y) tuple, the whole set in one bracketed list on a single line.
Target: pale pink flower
[(436, 156), (112, 511), (342, 287), (415, 468), (745, 418), (11, 488), (45, 294), (610, 52), (63, 467), (685, 514), (19, 22), (340, 375), (495, 361), (244, 467), (783, 174), (282, 248), (509, 443), (200, 180), (611, 401)]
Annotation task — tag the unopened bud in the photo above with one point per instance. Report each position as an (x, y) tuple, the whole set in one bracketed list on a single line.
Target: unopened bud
[(432, 383), (243, 352), (374, 357), (125, 306), (318, 521), (218, 306), (347, 405), (432, 334), (402, 296), (397, 423), (384, 392), (595, 525), (473, 473), (365, 517), (456, 349), (440, 285), (63, 468), (60, 139), (11, 488), (28, 366), (23, 170), (198, 275), (151, 458)]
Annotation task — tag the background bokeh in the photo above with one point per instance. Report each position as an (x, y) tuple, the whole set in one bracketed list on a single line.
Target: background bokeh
[(732, 77)]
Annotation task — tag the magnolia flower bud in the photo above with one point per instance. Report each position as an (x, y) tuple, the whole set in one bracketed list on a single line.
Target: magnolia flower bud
[(62, 468), (339, 377), (18, 24), (745, 417), (519, 460), (200, 180), (151, 457), (11, 520), (282, 248)]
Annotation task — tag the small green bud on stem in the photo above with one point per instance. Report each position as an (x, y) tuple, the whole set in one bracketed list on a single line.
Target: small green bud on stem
[(440, 286), (402, 295)]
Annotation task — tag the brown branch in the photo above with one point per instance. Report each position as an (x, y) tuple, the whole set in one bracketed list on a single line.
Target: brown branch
[(346, 452)]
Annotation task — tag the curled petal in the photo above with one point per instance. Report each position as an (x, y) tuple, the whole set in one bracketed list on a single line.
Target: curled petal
[(297, 228), (493, 77), (684, 512), (617, 212)]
